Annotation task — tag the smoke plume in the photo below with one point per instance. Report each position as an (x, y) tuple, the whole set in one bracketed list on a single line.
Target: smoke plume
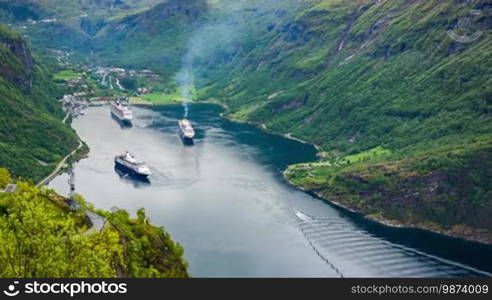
[(227, 25)]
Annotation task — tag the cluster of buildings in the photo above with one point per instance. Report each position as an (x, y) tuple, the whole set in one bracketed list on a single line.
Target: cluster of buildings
[(108, 73), (144, 90), (63, 57), (102, 100), (75, 104), (46, 20), (79, 82), (122, 73)]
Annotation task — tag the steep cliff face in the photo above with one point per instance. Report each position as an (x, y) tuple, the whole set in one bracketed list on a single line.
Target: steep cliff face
[(32, 135), (14, 46)]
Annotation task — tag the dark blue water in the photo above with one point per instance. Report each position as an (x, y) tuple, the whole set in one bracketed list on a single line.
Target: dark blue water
[(224, 199)]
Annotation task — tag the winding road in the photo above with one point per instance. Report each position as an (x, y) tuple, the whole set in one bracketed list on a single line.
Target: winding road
[(66, 118), (63, 161), (98, 222), (59, 166)]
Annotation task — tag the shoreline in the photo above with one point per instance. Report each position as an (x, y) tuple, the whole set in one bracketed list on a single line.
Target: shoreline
[(78, 153), (382, 221), (385, 222), (61, 165)]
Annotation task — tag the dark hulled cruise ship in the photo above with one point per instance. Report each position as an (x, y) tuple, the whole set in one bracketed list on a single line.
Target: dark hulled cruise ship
[(132, 166)]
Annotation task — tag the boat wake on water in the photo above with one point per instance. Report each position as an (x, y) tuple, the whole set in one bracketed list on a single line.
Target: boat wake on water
[(358, 253), (169, 181)]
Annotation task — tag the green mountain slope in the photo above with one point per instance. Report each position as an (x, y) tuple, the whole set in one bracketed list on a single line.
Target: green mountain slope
[(374, 78), (154, 39), (32, 136), (365, 76)]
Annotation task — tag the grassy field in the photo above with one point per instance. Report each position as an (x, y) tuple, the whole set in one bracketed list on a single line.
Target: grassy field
[(140, 101), (67, 75), (367, 155), (157, 99)]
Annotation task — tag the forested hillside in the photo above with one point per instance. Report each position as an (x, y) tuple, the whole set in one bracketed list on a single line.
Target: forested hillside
[(41, 234), (401, 109), (43, 237), (32, 136)]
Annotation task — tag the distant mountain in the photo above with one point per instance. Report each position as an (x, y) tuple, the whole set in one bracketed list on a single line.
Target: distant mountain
[(43, 237), (66, 24), (156, 38), (32, 136), (21, 10)]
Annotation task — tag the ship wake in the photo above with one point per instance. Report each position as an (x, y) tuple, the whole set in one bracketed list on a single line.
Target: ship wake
[(358, 253)]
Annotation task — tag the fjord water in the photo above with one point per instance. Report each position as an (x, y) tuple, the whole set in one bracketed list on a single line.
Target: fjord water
[(225, 201)]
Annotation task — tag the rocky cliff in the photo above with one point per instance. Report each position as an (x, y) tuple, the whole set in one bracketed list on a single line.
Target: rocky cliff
[(32, 135), (17, 48)]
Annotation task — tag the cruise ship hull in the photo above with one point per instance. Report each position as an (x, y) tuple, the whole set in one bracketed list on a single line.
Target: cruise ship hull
[(186, 132), (121, 166), (123, 123), (128, 174)]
